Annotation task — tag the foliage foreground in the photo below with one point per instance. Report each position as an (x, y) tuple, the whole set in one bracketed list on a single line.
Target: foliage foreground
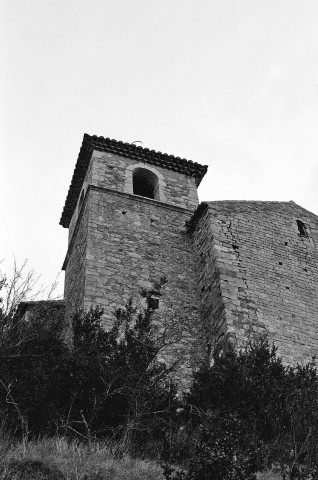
[(249, 413), (106, 399)]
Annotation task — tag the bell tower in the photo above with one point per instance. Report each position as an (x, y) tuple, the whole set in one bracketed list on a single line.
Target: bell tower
[(126, 211)]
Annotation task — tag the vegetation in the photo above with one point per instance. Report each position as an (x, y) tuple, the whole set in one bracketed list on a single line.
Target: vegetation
[(51, 457), (108, 384), (249, 412), (107, 399)]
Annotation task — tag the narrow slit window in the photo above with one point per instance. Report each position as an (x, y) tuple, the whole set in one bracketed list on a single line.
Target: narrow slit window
[(153, 303), (153, 299), (145, 183), (302, 228)]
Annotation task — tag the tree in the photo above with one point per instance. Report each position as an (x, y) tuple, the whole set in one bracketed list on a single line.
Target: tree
[(22, 285)]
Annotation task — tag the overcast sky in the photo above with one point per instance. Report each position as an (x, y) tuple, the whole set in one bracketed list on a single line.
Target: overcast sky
[(228, 83)]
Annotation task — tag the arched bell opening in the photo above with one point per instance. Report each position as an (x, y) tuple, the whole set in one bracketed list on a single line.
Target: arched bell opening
[(145, 183)]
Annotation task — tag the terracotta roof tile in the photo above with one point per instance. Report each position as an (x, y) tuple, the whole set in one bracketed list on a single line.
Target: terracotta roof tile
[(128, 150)]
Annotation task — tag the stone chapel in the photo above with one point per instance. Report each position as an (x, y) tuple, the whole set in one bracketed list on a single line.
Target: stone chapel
[(233, 268)]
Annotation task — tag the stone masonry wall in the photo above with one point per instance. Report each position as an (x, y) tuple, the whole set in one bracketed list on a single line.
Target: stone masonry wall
[(75, 264), (111, 171), (237, 268), (206, 269), (268, 273), (80, 200), (132, 243), (120, 243)]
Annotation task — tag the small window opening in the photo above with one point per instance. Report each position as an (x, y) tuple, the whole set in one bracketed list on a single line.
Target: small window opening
[(153, 298), (302, 228), (153, 303), (145, 183)]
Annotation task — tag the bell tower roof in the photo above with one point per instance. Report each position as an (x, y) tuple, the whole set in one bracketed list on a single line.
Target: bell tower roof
[(128, 150)]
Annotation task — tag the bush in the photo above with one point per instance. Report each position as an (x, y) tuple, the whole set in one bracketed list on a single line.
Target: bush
[(31, 371), (108, 383), (248, 412), (118, 386)]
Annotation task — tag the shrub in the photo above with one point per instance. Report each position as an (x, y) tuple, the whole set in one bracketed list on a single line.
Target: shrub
[(249, 411), (118, 386), (109, 383)]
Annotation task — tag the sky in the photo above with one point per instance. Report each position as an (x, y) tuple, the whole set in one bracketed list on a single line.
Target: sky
[(232, 84)]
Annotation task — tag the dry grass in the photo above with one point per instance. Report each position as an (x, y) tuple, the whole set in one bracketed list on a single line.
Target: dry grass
[(269, 475), (77, 461)]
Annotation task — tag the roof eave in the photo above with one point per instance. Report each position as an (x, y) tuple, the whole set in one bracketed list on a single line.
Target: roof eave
[(127, 150)]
